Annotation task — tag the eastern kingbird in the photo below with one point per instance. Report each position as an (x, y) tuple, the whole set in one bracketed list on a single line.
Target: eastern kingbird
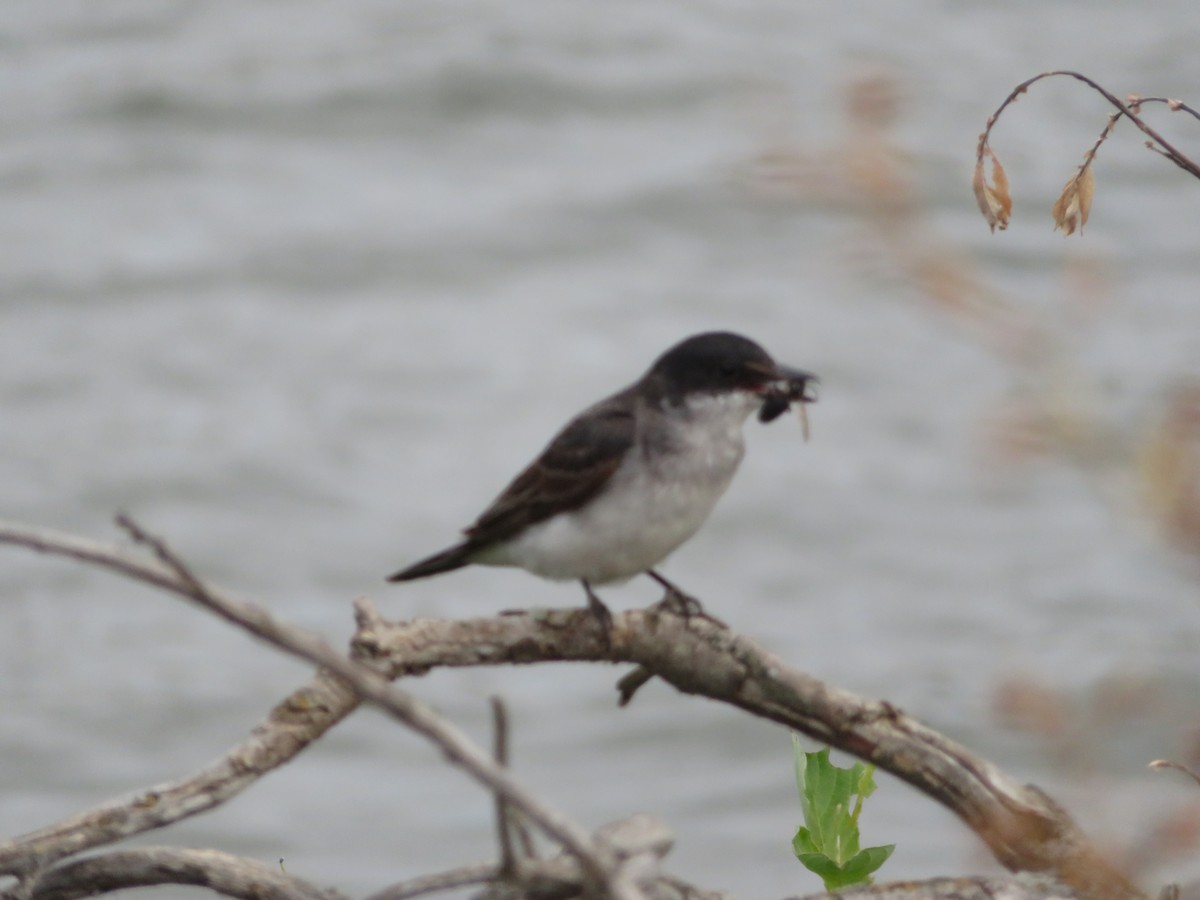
[(634, 476)]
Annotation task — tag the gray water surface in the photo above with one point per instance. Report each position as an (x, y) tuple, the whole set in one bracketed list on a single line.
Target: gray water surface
[(302, 285)]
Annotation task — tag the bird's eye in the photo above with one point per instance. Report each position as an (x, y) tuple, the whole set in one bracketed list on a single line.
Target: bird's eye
[(728, 370)]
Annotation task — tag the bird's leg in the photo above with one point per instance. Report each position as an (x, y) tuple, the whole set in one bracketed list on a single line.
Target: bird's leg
[(599, 610), (677, 601)]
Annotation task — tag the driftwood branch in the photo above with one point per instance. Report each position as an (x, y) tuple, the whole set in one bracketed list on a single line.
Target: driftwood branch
[(1026, 831), (172, 574), (639, 841), (305, 715), (1024, 888), (482, 873), (224, 873), (597, 861)]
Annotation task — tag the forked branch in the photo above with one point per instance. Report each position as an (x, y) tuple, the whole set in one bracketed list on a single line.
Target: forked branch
[(1025, 830)]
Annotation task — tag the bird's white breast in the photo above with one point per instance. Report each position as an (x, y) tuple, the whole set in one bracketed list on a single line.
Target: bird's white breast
[(666, 487)]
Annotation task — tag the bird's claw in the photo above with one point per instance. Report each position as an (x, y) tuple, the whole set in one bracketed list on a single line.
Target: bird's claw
[(676, 601), (603, 614)]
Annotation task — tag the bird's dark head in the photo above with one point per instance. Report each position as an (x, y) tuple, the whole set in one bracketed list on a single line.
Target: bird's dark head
[(720, 362)]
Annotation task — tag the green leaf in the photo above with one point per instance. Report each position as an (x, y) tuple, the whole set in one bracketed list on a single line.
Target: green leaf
[(859, 869), (822, 865), (803, 842), (831, 800)]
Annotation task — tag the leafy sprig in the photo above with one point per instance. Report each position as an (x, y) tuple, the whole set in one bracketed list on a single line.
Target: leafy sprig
[(832, 800)]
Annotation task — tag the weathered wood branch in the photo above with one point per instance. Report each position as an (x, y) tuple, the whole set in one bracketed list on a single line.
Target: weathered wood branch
[(600, 863), (640, 841), (297, 721), (1026, 831), (1026, 887), (305, 715), (224, 873)]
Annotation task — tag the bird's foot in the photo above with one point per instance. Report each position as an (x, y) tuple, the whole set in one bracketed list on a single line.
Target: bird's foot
[(682, 603), (602, 613), (676, 601)]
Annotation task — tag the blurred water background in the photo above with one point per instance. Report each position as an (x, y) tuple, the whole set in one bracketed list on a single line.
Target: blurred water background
[(301, 285)]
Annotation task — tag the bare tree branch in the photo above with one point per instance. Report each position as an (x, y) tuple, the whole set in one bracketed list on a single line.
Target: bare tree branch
[(224, 873), (640, 841), (297, 721), (1025, 888), (291, 726), (597, 860), (506, 819), (173, 576), (484, 873), (1024, 829), (1157, 141)]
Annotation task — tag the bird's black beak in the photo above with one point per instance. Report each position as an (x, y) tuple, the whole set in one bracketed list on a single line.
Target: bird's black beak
[(788, 387)]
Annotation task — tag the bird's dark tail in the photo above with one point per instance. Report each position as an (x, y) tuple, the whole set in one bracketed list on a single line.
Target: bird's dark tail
[(449, 559)]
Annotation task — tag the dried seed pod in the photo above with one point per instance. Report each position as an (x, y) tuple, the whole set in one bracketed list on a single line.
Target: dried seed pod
[(994, 200)]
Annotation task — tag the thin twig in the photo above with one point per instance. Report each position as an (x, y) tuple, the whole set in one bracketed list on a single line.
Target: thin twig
[(1179, 767), (1175, 105), (630, 683), (508, 819), (508, 859), (484, 873), (1167, 149)]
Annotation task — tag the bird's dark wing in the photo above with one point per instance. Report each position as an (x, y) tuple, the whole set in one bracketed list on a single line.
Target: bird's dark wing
[(571, 470)]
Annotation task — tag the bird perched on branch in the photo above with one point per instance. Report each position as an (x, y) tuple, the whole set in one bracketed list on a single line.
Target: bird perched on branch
[(630, 479)]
